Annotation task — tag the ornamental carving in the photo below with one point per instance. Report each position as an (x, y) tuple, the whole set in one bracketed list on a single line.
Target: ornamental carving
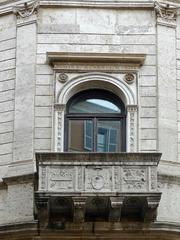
[(98, 179), (26, 10), (62, 77), (59, 131), (166, 14), (43, 177), (153, 178), (129, 78), (132, 133), (134, 179), (61, 178), (132, 125)]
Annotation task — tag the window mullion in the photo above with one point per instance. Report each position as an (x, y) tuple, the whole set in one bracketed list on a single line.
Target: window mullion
[(95, 134)]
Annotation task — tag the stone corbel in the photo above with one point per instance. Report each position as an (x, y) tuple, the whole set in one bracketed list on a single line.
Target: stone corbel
[(166, 14), (42, 206), (26, 13), (79, 209), (132, 128), (115, 210), (150, 208)]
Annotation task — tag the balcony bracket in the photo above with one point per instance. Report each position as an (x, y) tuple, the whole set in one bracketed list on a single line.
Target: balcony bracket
[(115, 209), (42, 205), (79, 209), (150, 208)]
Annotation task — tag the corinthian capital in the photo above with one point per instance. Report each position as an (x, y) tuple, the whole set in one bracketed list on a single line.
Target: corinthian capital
[(26, 10), (166, 14)]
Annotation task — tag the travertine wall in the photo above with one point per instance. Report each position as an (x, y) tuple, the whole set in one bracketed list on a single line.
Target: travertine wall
[(7, 86), (102, 31), (178, 81)]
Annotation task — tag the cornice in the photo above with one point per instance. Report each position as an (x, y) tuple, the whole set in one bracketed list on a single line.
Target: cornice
[(7, 6), (58, 57)]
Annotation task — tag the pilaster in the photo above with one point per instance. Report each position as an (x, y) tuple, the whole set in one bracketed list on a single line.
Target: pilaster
[(23, 149), (166, 80)]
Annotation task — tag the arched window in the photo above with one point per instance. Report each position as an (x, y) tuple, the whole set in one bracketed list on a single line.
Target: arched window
[(95, 122)]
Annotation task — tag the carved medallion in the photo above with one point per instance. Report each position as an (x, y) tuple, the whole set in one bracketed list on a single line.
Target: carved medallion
[(98, 179), (97, 182), (129, 78), (63, 77)]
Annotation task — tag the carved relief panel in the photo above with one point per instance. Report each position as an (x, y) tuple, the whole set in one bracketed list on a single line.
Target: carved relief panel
[(97, 178), (61, 179), (134, 179)]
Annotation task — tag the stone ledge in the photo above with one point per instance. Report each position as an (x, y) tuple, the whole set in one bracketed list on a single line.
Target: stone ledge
[(131, 58), (18, 179), (98, 157)]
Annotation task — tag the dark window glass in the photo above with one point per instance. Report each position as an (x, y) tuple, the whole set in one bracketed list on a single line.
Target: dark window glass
[(95, 121)]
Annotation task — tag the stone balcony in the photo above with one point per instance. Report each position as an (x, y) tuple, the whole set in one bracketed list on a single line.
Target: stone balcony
[(96, 187)]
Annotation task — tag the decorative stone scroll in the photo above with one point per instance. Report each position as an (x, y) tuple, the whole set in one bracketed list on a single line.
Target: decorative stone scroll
[(166, 14)]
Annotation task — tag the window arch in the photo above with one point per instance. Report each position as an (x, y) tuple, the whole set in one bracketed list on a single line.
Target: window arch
[(95, 122)]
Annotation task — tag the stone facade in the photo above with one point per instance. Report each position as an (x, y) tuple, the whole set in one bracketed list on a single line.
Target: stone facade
[(49, 51)]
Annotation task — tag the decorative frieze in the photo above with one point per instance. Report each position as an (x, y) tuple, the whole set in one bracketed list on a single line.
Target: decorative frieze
[(166, 14)]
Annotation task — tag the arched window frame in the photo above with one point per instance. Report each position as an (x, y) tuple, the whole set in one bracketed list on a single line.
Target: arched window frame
[(95, 117), (98, 80)]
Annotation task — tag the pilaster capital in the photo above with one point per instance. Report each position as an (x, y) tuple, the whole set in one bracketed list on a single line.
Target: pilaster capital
[(59, 107), (132, 108), (166, 14), (26, 13)]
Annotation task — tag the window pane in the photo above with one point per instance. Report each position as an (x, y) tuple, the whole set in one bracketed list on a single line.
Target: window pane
[(94, 106), (80, 137), (94, 102), (108, 136)]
